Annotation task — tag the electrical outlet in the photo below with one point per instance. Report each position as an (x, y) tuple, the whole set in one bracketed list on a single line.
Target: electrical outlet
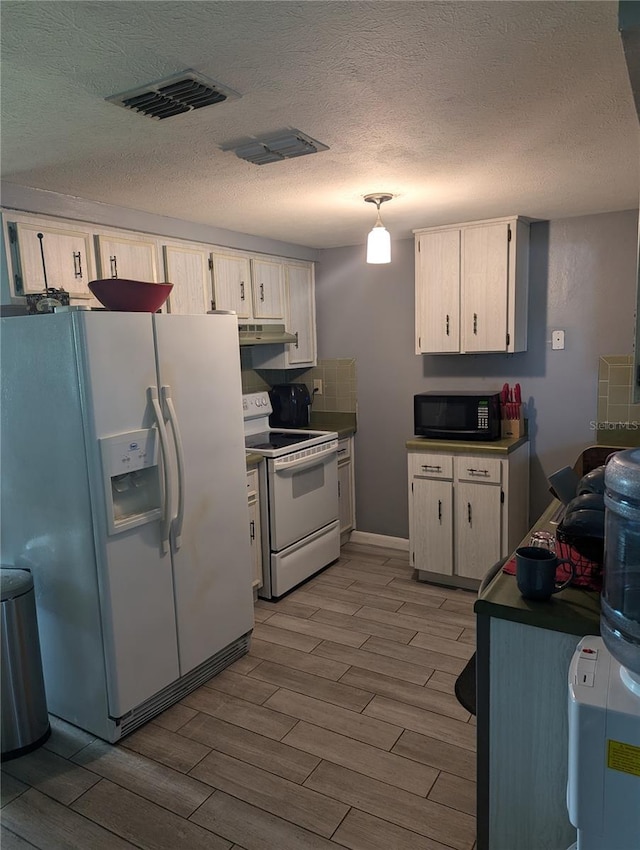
[(317, 386), (557, 340)]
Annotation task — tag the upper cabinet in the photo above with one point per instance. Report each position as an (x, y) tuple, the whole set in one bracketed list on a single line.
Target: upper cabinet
[(472, 287), (65, 250), (267, 282), (232, 283), (187, 268), (250, 286), (129, 256), (299, 318), (257, 287)]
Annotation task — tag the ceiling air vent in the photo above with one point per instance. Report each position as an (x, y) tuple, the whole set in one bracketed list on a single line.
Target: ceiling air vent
[(276, 148), (174, 95)]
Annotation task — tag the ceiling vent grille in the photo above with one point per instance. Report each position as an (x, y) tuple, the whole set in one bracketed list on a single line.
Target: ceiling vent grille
[(174, 95), (276, 148)]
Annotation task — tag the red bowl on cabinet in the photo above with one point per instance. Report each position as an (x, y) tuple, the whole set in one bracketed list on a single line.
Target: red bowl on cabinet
[(135, 296)]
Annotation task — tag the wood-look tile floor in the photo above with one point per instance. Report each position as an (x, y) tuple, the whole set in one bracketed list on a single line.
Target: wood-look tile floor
[(339, 728)]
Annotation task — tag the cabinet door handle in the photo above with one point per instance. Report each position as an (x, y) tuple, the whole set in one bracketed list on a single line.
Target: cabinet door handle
[(483, 472), (475, 323), (447, 324), (77, 264), (114, 265), (341, 451), (429, 466), (338, 489), (440, 511), (252, 528), (469, 512), (242, 290), (262, 291), (296, 343)]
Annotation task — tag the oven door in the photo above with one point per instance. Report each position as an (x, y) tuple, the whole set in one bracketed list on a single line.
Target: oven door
[(303, 494)]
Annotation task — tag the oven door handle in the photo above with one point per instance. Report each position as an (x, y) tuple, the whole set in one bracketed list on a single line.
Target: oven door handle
[(282, 465)]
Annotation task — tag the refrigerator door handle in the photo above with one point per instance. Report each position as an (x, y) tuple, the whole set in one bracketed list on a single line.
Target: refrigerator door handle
[(167, 508), (175, 428)]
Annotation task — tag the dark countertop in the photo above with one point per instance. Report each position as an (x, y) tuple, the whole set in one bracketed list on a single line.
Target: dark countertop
[(497, 447), (574, 611), (343, 423)]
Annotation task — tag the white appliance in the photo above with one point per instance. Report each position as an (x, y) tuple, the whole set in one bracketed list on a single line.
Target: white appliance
[(603, 791), (124, 492), (301, 480)]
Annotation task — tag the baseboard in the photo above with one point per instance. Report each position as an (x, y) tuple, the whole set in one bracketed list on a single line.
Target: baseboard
[(369, 539)]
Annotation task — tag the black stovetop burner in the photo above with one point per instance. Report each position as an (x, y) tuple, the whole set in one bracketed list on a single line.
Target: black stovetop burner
[(274, 440)]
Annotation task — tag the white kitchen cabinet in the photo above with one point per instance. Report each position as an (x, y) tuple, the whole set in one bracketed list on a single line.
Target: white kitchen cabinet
[(346, 494), (187, 268), (466, 510), (267, 283), (432, 519), (131, 256), (255, 526), (232, 283), (68, 256), (300, 319), (472, 287)]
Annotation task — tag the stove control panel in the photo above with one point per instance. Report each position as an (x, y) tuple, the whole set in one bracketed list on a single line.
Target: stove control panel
[(256, 405)]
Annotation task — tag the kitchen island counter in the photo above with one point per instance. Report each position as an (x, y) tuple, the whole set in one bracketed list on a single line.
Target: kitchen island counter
[(523, 653), (574, 611)]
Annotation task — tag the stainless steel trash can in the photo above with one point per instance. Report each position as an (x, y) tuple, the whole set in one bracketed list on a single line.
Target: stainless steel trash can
[(25, 720)]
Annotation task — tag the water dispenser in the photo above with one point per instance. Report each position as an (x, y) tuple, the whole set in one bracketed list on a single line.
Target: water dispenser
[(133, 492), (620, 601)]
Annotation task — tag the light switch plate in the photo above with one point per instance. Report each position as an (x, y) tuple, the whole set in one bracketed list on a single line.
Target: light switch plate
[(557, 340)]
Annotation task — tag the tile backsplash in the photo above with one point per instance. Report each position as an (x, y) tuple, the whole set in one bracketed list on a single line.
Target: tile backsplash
[(338, 376), (618, 418)]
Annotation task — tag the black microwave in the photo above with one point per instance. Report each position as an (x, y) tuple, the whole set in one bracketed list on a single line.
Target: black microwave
[(457, 415)]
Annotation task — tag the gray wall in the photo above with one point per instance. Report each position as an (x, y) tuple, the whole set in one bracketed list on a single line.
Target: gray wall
[(582, 280)]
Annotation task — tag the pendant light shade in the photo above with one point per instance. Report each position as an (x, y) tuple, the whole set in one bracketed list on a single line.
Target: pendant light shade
[(379, 240)]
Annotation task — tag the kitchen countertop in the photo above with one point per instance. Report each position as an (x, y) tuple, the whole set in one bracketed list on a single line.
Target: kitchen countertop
[(253, 458), (343, 423), (497, 447), (573, 611)]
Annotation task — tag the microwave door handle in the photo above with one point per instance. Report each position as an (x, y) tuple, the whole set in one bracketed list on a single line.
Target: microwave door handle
[(167, 507), (175, 428)]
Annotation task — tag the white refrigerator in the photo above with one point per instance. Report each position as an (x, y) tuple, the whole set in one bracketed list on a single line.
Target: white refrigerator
[(124, 493)]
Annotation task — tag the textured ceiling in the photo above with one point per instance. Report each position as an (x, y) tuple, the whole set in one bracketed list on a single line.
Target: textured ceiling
[(461, 110)]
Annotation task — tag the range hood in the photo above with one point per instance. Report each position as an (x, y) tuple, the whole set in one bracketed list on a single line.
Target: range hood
[(264, 335)]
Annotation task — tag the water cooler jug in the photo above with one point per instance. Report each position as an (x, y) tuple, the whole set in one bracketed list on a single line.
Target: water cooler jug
[(603, 791)]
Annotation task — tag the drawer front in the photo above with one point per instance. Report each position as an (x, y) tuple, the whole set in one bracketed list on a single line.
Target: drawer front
[(431, 465), (252, 481), (487, 470), (344, 449)]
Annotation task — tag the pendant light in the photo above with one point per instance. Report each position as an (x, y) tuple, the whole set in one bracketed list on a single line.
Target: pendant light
[(378, 241)]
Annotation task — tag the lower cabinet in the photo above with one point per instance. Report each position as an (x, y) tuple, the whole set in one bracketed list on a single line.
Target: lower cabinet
[(346, 497), (255, 526), (466, 511)]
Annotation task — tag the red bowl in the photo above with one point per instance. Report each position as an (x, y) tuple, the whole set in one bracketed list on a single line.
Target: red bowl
[(135, 296)]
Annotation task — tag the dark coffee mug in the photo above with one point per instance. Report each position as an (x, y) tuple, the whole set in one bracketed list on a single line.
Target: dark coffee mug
[(536, 572)]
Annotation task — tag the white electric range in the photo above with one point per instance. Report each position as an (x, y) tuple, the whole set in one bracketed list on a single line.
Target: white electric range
[(301, 481)]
